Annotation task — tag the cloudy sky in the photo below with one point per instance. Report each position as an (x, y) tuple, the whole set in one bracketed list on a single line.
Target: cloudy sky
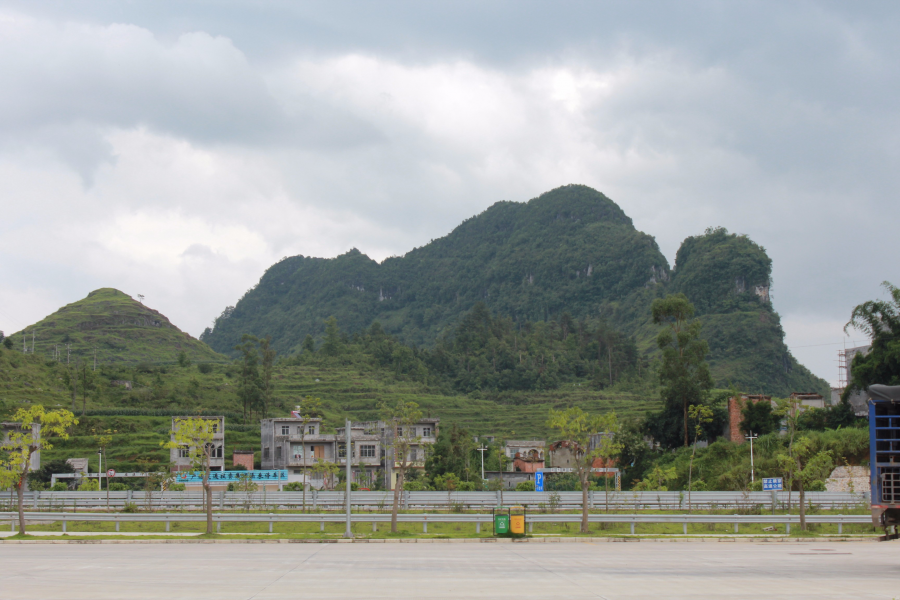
[(177, 149)]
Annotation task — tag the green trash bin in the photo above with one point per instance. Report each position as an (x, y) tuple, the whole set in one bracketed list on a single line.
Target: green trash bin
[(501, 524)]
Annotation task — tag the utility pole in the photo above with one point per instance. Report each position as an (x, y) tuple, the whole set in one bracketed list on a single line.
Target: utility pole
[(348, 533), (68, 355), (751, 437), (32, 341), (24, 343), (95, 359)]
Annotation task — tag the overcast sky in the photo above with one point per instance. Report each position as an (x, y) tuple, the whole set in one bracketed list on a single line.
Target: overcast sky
[(178, 149)]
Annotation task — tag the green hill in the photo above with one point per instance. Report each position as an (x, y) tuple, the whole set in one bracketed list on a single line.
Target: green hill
[(115, 327), (571, 250)]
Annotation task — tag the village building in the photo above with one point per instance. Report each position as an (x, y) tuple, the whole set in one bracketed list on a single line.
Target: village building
[(180, 457)]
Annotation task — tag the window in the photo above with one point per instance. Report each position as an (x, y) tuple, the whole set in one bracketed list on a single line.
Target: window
[(342, 451), (277, 452), (412, 455), (312, 429), (220, 451), (367, 451), (426, 432), (285, 430), (297, 451), (266, 452), (183, 453), (399, 431), (215, 427)]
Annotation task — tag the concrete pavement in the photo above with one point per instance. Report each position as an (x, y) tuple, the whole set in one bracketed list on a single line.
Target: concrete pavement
[(815, 569)]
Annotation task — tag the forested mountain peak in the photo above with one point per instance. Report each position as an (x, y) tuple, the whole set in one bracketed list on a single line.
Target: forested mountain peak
[(571, 250)]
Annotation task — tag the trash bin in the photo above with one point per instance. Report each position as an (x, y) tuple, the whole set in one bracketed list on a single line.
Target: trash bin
[(501, 524), (517, 521)]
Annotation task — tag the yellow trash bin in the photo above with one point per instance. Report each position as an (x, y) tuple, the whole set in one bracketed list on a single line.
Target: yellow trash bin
[(517, 524)]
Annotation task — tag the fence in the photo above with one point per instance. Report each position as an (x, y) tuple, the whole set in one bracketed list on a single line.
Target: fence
[(478, 519), (327, 500)]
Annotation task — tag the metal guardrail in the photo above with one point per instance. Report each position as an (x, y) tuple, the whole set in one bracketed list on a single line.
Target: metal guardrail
[(477, 518), (329, 500)]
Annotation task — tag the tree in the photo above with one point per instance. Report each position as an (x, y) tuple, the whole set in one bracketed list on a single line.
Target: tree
[(401, 418), (36, 426), (326, 469), (183, 360), (332, 344), (309, 409), (758, 418), (103, 439), (699, 415), (267, 354), (576, 426), (805, 465), (880, 321), (656, 480), (609, 447), (195, 435), (249, 387), (683, 372), (309, 344)]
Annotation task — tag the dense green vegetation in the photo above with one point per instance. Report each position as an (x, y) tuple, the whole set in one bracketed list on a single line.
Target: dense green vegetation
[(114, 327), (571, 251), (880, 320)]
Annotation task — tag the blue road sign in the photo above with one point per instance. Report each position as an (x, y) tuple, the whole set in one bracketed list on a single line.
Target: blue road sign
[(772, 484), (539, 482)]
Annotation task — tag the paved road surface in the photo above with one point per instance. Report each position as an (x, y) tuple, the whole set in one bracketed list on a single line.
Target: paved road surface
[(521, 571)]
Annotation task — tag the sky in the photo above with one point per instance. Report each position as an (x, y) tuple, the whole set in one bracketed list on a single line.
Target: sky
[(178, 149)]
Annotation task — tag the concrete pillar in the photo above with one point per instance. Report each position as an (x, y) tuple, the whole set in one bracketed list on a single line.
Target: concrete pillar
[(735, 527), (424, 526), (167, 525), (841, 524), (218, 526), (787, 529), (117, 525), (684, 528), (530, 527), (478, 527), (374, 526), (270, 525), (632, 528), (322, 525)]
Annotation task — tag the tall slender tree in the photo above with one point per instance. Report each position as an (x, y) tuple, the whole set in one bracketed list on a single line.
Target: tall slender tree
[(400, 418), (683, 372)]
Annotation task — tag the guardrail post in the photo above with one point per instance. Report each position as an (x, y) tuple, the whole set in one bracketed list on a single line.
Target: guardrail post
[(632, 527), (315, 495), (530, 526), (787, 529), (735, 526), (117, 524), (270, 524), (12, 524), (129, 495), (222, 500), (425, 525), (374, 526), (64, 524), (167, 524), (684, 526), (499, 499), (218, 526), (840, 524), (34, 499), (322, 525), (478, 527)]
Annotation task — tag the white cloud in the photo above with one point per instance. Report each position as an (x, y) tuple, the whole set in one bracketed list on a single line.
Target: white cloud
[(176, 162)]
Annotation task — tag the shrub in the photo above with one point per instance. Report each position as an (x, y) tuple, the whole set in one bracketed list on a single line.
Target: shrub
[(295, 486), (59, 486), (466, 486), (176, 487), (118, 487), (525, 486), (130, 507), (89, 485), (205, 368)]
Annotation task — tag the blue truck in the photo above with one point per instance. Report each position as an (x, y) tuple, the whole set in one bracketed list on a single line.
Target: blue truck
[(884, 457)]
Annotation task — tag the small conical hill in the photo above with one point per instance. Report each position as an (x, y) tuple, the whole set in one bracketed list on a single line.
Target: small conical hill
[(115, 327)]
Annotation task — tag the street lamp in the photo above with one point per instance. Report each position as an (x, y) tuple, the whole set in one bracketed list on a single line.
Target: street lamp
[(482, 450), (751, 437)]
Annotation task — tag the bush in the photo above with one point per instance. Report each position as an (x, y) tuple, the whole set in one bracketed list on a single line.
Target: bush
[(341, 487), (205, 368), (118, 487), (466, 486), (89, 485), (130, 507), (59, 486), (176, 487), (525, 486), (295, 486)]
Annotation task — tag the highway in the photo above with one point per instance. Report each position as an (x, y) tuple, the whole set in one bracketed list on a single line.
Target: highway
[(570, 570)]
